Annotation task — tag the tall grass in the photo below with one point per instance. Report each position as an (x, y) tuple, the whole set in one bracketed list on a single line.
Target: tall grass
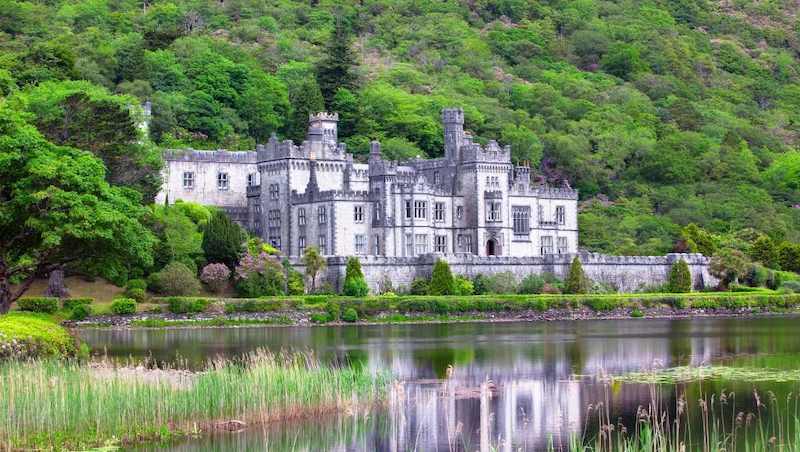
[(53, 404)]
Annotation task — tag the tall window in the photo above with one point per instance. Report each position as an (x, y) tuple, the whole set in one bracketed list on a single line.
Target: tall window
[(377, 212), (188, 180), (274, 224), (547, 244), (251, 179), (377, 245), (323, 244), (521, 219), (562, 245), (459, 212), (408, 209), (465, 243), (301, 244), (436, 178), (274, 191), (301, 216), (409, 245), (438, 211), (421, 243), (360, 244), (493, 211), (358, 213), (560, 215), (440, 244), (322, 215), (222, 181), (421, 209)]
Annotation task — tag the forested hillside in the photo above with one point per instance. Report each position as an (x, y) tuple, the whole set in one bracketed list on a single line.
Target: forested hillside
[(662, 113)]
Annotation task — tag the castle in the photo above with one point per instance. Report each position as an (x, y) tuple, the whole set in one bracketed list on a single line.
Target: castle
[(473, 207), (471, 201)]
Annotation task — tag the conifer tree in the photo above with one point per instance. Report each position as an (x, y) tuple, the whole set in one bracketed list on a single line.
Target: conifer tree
[(222, 240), (355, 285), (680, 279), (442, 279), (577, 282), (335, 70)]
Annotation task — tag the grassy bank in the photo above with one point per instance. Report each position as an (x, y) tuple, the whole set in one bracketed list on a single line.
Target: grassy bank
[(57, 405), (25, 335)]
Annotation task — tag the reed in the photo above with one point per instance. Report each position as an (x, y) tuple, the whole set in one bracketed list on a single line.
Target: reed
[(54, 405)]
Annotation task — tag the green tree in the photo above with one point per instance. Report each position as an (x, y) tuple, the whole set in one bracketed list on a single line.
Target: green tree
[(441, 279), (305, 98), (354, 283), (314, 263), (764, 250), (56, 209), (577, 282), (789, 256), (222, 240), (335, 70), (729, 265), (680, 278)]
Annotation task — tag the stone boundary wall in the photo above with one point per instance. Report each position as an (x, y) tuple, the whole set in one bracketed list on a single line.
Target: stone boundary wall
[(626, 273)]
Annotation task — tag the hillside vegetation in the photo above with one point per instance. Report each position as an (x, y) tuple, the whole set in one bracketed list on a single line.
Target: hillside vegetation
[(662, 113)]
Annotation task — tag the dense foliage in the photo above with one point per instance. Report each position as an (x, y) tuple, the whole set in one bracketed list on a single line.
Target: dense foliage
[(355, 285), (441, 279), (680, 278)]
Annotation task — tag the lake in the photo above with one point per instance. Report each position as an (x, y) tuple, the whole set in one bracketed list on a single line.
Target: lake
[(529, 384)]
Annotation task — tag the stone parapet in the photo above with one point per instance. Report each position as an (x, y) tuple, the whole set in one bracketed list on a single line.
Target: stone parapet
[(217, 156)]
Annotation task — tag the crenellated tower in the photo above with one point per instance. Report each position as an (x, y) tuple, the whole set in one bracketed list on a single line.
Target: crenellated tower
[(453, 122)]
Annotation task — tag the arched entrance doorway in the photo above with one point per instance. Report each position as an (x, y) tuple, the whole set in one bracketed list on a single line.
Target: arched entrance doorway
[(491, 247)]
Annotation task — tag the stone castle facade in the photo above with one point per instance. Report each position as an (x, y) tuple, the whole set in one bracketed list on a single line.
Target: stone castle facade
[(472, 201), (473, 208)]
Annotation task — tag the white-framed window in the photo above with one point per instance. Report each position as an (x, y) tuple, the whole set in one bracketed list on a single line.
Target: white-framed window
[(358, 213), (409, 245), (188, 180), (301, 216), (274, 227), (438, 211), (409, 210), (377, 212), (464, 242), (323, 244), (251, 179), (493, 211), (377, 245), (421, 209), (547, 244), (322, 215), (436, 178), (301, 244), (521, 219), (421, 243), (440, 244), (222, 181), (274, 218), (274, 191), (562, 245), (360, 243), (560, 215), (459, 212)]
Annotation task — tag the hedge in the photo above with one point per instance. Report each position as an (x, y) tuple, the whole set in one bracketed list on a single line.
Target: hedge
[(254, 305), (45, 305), (186, 305), (70, 304), (123, 306)]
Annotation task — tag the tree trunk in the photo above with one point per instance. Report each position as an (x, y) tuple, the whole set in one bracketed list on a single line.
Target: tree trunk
[(55, 284), (5, 296)]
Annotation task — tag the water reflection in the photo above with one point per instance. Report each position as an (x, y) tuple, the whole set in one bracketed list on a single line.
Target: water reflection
[(511, 386)]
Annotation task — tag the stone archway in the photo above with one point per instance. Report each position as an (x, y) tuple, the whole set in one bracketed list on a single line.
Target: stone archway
[(491, 247)]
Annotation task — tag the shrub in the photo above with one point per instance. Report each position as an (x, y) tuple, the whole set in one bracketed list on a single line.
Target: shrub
[(296, 283), (501, 283), (441, 279), (179, 305), (601, 304), (136, 284), (531, 284), (215, 276), (462, 286), (319, 317), (636, 313), (334, 310), (350, 315), (253, 306), (123, 306), (70, 303), (577, 282), (601, 287), (680, 278), (774, 280), (354, 283), (791, 286), (80, 312), (268, 283), (175, 279), (26, 335), (420, 286), (479, 284), (137, 294), (46, 305)]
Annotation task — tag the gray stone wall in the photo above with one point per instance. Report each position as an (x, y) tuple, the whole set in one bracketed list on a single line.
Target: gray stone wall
[(626, 273)]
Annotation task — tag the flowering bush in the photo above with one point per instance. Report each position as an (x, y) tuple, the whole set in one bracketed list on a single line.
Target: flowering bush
[(215, 276), (259, 275)]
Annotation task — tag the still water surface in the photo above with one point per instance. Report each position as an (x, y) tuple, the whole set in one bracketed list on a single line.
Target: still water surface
[(543, 376)]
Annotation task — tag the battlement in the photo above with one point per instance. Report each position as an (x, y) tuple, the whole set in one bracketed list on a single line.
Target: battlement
[(492, 152), (323, 116), (453, 116), (216, 156)]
